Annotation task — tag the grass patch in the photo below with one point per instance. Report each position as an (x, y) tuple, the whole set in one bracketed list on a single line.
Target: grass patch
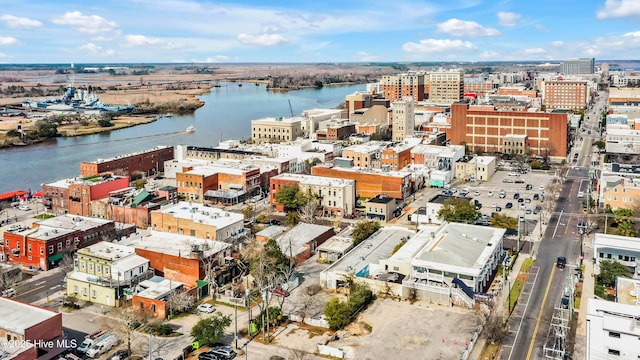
[(490, 351), (44, 216)]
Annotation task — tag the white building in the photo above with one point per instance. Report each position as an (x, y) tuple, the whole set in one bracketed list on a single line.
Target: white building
[(623, 249), (622, 140), (337, 196), (275, 130), (315, 116), (477, 168), (613, 330), (308, 150)]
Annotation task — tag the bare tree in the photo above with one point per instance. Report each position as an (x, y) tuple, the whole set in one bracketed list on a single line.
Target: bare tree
[(308, 210), (495, 329), (123, 325), (180, 301)]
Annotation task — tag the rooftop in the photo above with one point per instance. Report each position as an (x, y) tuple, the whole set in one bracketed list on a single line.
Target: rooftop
[(203, 214), (616, 241), (276, 120), (381, 199), (157, 288), (628, 291), (271, 232), (85, 180), (338, 243), (294, 240), (16, 316), (73, 222), (99, 161), (315, 180), (174, 244), (441, 198), (378, 246)]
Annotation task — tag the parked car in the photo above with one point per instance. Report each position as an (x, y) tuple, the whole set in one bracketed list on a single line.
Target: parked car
[(516, 196), (280, 291), (520, 200), (498, 209), (206, 308), (513, 174), (274, 222), (536, 197), (521, 218), (529, 187), (561, 262), (509, 205), (507, 180), (121, 354), (223, 352), (528, 212), (490, 193), (464, 193), (519, 181), (10, 292), (207, 356), (24, 208), (477, 193)]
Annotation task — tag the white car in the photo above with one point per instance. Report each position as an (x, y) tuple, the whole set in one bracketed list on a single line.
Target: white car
[(24, 208), (490, 194), (477, 193), (513, 174), (15, 227), (206, 308)]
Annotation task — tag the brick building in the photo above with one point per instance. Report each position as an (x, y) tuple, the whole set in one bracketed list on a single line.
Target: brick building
[(395, 87), (565, 95), (75, 195), (30, 332), (45, 245), (485, 130), (369, 183), (133, 165), (194, 182)]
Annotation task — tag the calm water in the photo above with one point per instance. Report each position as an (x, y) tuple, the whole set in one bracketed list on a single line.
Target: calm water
[(227, 114)]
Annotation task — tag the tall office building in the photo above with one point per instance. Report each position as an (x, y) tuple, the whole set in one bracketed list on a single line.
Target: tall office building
[(565, 95), (578, 66), (395, 87), (404, 119), (446, 86)]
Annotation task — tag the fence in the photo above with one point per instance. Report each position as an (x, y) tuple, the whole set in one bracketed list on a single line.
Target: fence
[(330, 351), (469, 347), (309, 321)]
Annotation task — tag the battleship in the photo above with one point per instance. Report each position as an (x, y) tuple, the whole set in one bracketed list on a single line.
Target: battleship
[(76, 100)]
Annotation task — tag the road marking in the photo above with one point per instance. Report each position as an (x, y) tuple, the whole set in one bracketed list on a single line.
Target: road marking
[(41, 283), (557, 223), (32, 290), (533, 272), (54, 287), (544, 300)]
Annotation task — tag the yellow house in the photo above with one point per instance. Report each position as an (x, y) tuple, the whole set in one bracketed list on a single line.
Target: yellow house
[(106, 272), (622, 196)]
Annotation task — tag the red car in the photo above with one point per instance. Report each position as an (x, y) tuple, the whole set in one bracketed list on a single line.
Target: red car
[(280, 291)]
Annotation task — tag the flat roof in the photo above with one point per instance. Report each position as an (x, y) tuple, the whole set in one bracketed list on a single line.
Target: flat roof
[(278, 120), (16, 316), (464, 248), (46, 233), (368, 147), (627, 291), (271, 232), (157, 287), (294, 240), (98, 161), (616, 315), (616, 241), (315, 180), (441, 198), (203, 214), (174, 244), (378, 246), (74, 222), (381, 199), (338, 243), (83, 180)]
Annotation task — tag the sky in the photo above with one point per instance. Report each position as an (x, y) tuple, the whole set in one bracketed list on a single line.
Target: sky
[(200, 31)]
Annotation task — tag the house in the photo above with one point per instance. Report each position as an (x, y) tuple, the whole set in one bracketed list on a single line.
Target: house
[(29, 332), (336, 247), (302, 241), (381, 208), (45, 245), (199, 220), (153, 297), (182, 258), (106, 273)]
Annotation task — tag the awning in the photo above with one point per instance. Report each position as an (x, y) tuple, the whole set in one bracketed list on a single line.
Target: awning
[(201, 283), (12, 194), (55, 257), (37, 194)]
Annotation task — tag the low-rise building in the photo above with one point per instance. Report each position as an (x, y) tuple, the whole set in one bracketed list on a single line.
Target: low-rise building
[(134, 165), (381, 208), (154, 297), (74, 195), (45, 245), (369, 182), (435, 204), (623, 249), (476, 168), (612, 330), (30, 332), (106, 273), (198, 220), (336, 247), (182, 258), (337, 197), (270, 232), (275, 130), (301, 242)]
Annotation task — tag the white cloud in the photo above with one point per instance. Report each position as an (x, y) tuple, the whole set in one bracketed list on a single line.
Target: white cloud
[(19, 22), (540, 27), (619, 8), (2, 55), (217, 58), (147, 41), (262, 39), (365, 56), (534, 51), (509, 19), (461, 28), (102, 38), (557, 43), (91, 24), (97, 50), (8, 40), (427, 46)]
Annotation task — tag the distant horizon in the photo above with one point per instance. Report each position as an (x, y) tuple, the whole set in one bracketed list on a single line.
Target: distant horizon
[(330, 31)]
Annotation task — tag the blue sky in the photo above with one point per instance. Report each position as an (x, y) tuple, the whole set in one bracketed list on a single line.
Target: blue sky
[(112, 31)]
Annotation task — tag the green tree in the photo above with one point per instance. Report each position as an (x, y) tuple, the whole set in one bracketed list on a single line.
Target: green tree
[(262, 218), (503, 221), (247, 211), (293, 218), (337, 314), (600, 144), (46, 128), (272, 251), (363, 230), (290, 197), (622, 222), (210, 330), (457, 210), (610, 270)]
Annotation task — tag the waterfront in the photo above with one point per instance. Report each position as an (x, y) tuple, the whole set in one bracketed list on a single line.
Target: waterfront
[(227, 114)]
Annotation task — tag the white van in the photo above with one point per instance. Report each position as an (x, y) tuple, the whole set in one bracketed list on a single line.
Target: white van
[(102, 345), (580, 194)]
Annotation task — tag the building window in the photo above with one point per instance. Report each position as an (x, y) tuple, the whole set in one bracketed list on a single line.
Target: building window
[(614, 334), (98, 268), (93, 294), (75, 289), (153, 307), (60, 246), (50, 249), (29, 248), (614, 352), (91, 267)]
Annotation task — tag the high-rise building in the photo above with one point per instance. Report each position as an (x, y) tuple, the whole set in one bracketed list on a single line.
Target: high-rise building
[(404, 119), (565, 95), (395, 87), (446, 86), (578, 66)]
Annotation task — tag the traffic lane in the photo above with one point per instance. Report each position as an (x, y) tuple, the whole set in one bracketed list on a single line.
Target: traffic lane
[(38, 289)]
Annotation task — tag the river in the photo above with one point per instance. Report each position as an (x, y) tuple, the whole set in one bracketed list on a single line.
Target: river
[(227, 114)]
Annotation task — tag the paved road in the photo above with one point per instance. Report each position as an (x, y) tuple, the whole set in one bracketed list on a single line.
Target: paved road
[(39, 287)]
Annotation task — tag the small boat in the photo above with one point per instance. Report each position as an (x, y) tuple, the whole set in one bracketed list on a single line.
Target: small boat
[(191, 129), (167, 115)]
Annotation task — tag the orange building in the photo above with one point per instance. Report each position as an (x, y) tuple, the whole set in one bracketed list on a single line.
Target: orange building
[(517, 91), (75, 195), (485, 130), (565, 95), (395, 87), (193, 183), (133, 165), (369, 183)]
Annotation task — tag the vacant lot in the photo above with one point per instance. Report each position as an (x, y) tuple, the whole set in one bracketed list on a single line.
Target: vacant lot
[(400, 330)]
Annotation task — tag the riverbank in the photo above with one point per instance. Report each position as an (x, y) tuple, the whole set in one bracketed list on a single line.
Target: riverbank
[(93, 128)]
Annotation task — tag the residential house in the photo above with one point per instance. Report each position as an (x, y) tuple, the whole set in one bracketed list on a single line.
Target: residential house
[(301, 242)]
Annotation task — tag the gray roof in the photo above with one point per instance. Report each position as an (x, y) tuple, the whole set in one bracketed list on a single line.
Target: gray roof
[(300, 235), (16, 316), (272, 232)]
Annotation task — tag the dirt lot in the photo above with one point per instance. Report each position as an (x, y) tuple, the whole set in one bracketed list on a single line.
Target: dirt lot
[(400, 330)]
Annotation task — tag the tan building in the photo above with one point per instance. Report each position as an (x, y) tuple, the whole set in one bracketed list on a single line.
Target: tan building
[(365, 155), (625, 195), (356, 101), (381, 208), (275, 130), (478, 168), (446, 86), (198, 220), (565, 95), (515, 144), (404, 119), (395, 87)]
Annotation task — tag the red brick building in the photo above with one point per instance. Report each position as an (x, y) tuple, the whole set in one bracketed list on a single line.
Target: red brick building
[(395, 87), (30, 332), (44, 245), (565, 95), (74, 196), (486, 130), (132, 165), (370, 183)]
